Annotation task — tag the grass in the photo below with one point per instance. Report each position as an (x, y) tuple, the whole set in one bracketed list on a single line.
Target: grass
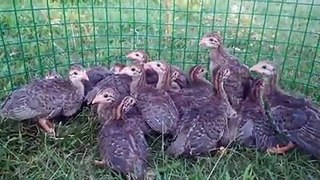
[(105, 32)]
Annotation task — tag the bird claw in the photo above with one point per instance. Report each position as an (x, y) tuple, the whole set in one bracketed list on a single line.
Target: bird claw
[(100, 163), (48, 127), (222, 150), (281, 150), (151, 175)]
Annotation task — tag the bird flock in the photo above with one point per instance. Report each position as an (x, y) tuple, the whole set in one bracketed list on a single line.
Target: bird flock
[(152, 97)]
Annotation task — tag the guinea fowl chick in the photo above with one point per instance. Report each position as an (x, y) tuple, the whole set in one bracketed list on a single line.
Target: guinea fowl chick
[(297, 118), (203, 127), (239, 81), (122, 144), (120, 82), (142, 57), (108, 96), (256, 130), (185, 99), (45, 99), (155, 105), (199, 86)]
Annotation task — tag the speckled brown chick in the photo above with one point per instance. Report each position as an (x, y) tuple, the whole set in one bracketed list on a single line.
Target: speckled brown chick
[(120, 82), (203, 127), (109, 96), (239, 81), (185, 98), (198, 86), (142, 57), (155, 105), (122, 144), (297, 118), (46, 99), (255, 128)]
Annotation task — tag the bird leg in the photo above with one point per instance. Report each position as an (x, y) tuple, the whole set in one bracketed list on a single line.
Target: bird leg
[(281, 150), (50, 124), (101, 163), (47, 126)]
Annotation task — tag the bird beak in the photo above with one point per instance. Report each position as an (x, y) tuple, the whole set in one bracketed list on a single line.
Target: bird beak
[(129, 56), (123, 70), (147, 66), (202, 42), (96, 100), (85, 76), (254, 68)]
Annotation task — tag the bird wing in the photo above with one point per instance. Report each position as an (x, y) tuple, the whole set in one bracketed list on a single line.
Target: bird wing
[(301, 125), (158, 110)]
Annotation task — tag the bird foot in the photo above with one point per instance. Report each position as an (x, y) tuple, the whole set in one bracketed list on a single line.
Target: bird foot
[(281, 150), (151, 175), (100, 164), (47, 126), (222, 150)]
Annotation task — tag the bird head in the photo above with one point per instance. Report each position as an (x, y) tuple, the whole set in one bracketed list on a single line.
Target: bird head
[(211, 40)]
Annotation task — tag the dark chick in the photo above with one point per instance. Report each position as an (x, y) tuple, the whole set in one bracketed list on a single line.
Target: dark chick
[(297, 118), (155, 105), (203, 126), (256, 129), (238, 84), (46, 99), (122, 144)]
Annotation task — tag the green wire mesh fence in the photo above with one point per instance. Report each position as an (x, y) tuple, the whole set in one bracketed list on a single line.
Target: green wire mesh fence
[(42, 35)]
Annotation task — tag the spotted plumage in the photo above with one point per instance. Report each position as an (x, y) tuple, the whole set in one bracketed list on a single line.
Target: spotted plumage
[(238, 84), (155, 105), (122, 145), (46, 99), (297, 118)]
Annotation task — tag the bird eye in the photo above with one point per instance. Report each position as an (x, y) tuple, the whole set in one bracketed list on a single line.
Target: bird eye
[(201, 70), (133, 69), (75, 73), (264, 67), (211, 39), (158, 65), (273, 69), (105, 95), (137, 54)]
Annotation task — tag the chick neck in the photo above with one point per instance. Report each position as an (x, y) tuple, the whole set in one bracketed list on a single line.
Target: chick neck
[(120, 112), (217, 56), (138, 82), (219, 88), (255, 96), (272, 86), (103, 111), (78, 84), (164, 81)]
